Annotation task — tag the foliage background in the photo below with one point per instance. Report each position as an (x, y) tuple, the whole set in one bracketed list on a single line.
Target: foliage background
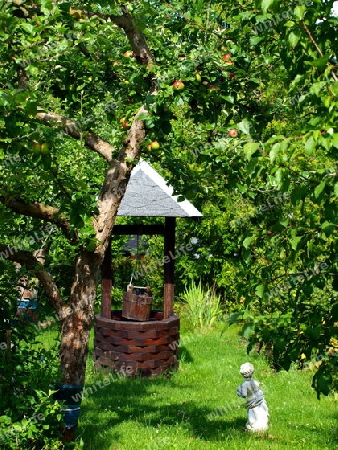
[(268, 195)]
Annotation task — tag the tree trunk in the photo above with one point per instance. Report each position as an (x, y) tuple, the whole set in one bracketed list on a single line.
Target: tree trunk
[(78, 319), (76, 323)]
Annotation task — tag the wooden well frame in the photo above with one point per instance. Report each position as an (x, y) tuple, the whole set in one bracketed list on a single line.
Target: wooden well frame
[(139, 348), (143, 347)]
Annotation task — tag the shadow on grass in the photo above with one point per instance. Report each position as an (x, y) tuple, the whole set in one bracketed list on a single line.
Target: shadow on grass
[(133, 400), (185, 355)]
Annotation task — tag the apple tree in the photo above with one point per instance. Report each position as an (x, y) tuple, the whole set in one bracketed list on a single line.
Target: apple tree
[(85, 88)]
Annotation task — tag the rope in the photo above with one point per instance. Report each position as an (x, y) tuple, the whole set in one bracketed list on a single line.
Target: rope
[(138, 262)]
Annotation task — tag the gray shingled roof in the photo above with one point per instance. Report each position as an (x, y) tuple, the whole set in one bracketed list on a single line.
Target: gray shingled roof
[(149, 195)]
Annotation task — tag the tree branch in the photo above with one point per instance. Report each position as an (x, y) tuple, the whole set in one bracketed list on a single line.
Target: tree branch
[(135, 36), (116, 181), (317, 46), (34, 264), (126, 22), (118, 174), (73, 129), (38, 210)]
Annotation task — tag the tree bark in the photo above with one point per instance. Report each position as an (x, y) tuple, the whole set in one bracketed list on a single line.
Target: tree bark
[(38, 210), (76, 325), (74, 129)]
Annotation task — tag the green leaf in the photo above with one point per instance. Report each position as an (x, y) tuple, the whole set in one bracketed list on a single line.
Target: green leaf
[(260, 290), (295, 241), (250, 148), (27, 27), (319, 189), (244, 188), (299, 193), (76, 219), (266, 4), (46, 7), (310, 145), (335, 140), (282, 178), (274, 151), (293, 39), (334, 88), (318, 87), (228, 98), (299, 11), (32, 69), (236, 317), (285, 222), (254, 40), (325, 141), (328, 228), (5, 419), (247, 241), (144, 116), (320, 62), (309, 246)]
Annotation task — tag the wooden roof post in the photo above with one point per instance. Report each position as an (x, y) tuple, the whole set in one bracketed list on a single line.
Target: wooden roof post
[(169, 265), (107, 282)]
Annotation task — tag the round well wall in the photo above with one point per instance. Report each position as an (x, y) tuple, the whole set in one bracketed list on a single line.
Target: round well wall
[(137, 348)]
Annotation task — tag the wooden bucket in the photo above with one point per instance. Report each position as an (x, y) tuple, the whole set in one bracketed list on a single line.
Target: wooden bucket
[(137, 306)]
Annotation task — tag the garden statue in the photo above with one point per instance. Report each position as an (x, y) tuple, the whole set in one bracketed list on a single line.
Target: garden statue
[(258, 412)]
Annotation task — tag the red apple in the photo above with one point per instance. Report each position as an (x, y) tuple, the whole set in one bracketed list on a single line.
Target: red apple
[(227, 58), (231, 75), (233, 132), (124, 123), (155, 145), (178, 85), (213, 87)]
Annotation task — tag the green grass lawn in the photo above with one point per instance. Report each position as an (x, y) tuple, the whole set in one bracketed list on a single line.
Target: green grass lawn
[(197, 407)]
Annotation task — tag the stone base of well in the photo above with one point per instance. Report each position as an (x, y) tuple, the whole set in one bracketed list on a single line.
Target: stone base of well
[(137, 348)]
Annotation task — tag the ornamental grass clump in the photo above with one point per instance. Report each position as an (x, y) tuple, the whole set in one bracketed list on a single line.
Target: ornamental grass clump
[(203, 305)]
